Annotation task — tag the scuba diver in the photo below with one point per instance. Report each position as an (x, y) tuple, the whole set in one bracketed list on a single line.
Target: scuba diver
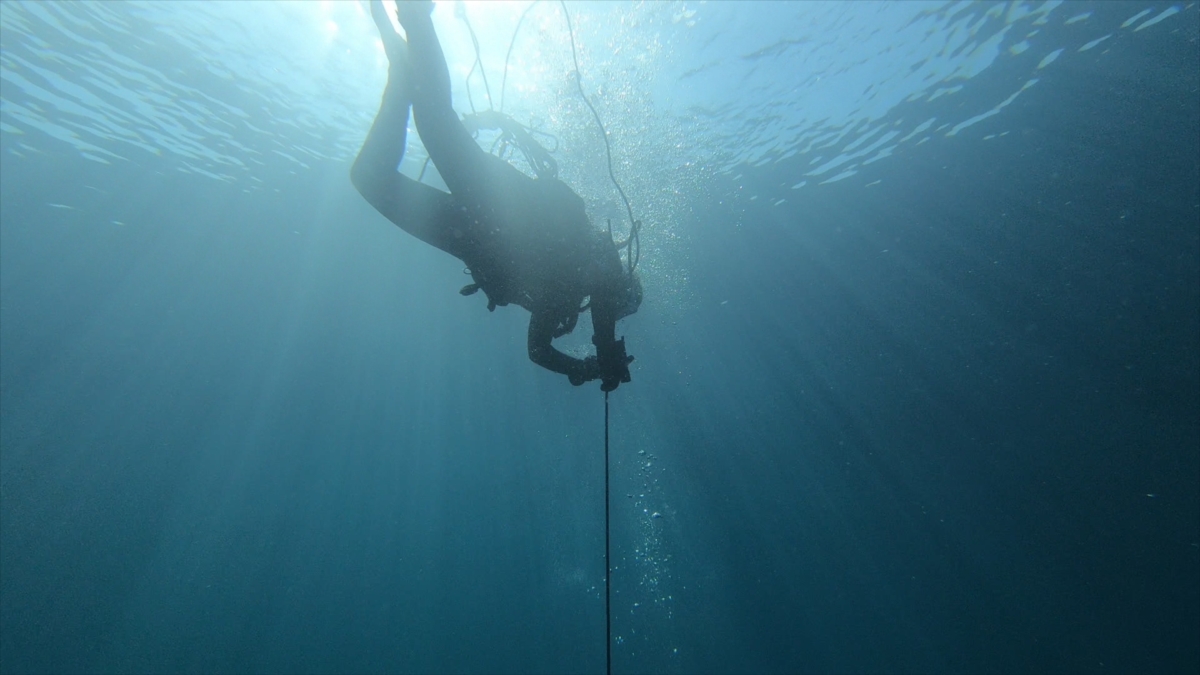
[(526, 241)]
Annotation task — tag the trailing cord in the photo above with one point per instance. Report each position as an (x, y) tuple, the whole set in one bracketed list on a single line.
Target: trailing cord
[(634, 225)]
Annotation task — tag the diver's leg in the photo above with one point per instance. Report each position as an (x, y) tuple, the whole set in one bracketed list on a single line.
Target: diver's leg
[(459, 159), (421, 210), (384, 147)]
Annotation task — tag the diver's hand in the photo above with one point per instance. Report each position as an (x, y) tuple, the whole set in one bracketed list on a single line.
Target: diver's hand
[(614, 364), (393, 44), (612, 377), (588, 370)]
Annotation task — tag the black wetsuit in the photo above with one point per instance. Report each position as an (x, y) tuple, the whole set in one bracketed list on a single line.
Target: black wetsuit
[(526, 241)]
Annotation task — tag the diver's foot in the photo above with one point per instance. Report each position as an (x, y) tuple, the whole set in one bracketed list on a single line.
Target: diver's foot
[(408, 11), (393, 44)]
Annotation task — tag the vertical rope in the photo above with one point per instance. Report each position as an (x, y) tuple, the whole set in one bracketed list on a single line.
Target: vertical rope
[(607, 566)]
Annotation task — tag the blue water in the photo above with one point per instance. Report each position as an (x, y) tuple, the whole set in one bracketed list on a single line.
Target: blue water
[(917, 386)]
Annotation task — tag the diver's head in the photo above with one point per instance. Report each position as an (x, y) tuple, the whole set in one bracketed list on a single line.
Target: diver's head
[(631, 296)]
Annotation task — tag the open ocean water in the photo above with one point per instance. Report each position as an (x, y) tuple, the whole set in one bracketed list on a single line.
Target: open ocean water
[(917, 386)]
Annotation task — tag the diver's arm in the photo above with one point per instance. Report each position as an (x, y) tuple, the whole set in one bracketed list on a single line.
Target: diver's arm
[(543, 352), (604, 320), (612, 361)]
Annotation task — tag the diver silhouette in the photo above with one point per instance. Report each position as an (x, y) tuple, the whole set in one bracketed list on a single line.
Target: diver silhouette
[(526, 241)]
